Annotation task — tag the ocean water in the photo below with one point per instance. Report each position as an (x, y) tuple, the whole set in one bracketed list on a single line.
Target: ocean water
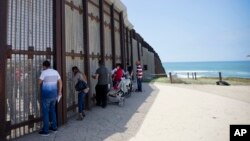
[(239, 69)]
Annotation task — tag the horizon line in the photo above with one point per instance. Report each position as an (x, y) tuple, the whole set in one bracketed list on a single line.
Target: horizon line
[(204, 61)]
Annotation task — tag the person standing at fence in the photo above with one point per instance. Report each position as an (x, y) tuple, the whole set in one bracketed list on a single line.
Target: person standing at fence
[(117, 76), (77, 75), (102, 75), (51, 87), (130, 71), (139, 73), (113, 74)]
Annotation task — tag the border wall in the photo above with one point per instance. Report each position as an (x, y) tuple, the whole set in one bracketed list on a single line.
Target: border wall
[(67, 33)]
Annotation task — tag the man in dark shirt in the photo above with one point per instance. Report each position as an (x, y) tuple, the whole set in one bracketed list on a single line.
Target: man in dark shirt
[(102, 75)]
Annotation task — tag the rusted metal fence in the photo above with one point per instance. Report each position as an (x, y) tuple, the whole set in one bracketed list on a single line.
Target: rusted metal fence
[(29, 43), (68, 33)]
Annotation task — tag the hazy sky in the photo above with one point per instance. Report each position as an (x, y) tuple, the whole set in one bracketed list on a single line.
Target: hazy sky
[(193, 30)]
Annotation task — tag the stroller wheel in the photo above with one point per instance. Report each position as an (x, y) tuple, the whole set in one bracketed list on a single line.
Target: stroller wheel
[(121, 102), (127, 94)]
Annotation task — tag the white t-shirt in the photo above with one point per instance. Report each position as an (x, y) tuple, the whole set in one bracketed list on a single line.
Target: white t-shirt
[(49, 85)]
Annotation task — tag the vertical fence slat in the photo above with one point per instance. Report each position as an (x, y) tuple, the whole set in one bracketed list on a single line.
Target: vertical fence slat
[(220, 76), (170, 76), (113, 35), (102, 41), (3, 42), (32, 27), (59, 17)]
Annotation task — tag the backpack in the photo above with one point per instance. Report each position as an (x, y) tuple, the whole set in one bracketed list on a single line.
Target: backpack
[(80, 85)]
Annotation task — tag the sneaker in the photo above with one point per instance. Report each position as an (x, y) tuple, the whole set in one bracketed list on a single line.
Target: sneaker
[(138, 90), (50, 128), (79, 117), (97, 104), (43, 133)]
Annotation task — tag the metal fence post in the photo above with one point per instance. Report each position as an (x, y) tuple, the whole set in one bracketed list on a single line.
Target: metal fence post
[(170, 76), (3, 44), (220, 77)]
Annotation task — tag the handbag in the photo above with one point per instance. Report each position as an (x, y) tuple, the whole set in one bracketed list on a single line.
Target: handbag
[(86, 90), (80, 85)]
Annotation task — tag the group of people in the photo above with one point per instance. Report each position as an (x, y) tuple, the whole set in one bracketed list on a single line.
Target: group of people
[(51, 88)]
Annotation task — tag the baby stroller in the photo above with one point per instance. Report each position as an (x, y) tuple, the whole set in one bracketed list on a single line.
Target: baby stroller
[(128, 87), (118, 94)]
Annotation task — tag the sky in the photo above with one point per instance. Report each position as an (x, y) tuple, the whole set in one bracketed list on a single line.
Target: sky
[(193, 30)]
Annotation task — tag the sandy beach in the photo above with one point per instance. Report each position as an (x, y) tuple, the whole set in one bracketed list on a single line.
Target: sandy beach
[(162, 112), (195, 112)]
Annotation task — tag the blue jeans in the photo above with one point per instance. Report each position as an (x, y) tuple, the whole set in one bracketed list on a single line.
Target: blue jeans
[(139, 85), (81, 101), (49, 113)]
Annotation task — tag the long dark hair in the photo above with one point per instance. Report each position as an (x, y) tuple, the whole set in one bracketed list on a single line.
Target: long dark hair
[(75, 68)]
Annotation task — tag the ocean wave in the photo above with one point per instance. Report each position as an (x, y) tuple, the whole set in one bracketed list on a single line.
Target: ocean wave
[(190, 71), (184, 74), (243, 73), (197, 75), (210, 69)]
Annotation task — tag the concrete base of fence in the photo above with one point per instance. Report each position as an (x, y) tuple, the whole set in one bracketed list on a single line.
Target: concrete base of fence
[(223, 83)]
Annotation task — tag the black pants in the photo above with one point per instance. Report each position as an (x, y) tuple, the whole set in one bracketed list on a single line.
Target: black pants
[(101, 95)]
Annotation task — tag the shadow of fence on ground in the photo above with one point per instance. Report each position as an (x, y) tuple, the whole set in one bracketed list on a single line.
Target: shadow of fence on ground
[(111, 123)]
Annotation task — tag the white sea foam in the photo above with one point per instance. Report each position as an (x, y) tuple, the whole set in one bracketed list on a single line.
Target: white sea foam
[(190, 75), (192, 71), (243, 73), (210, 69)]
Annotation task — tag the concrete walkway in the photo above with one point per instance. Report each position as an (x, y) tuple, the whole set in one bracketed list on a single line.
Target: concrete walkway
[(160, 113)]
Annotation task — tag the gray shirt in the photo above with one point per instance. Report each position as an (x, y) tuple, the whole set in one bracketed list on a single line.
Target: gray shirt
[(103, 77)]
